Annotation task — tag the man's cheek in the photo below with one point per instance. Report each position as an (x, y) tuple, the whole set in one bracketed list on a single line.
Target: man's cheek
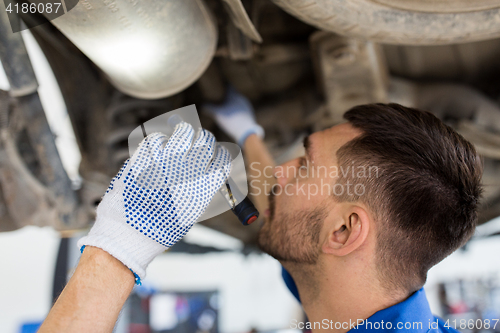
[(298, 194), (289, 190)]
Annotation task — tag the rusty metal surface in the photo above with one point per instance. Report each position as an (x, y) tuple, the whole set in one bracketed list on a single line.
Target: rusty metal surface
[(349, 71), (27, 200), (21, 78), (239, 45), (24, 198), (52, 193), (241, 20), (467, 61), (42, 140), (369, 20)]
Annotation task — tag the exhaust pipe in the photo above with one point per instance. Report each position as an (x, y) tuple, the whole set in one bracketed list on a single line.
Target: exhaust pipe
[(149, 49)]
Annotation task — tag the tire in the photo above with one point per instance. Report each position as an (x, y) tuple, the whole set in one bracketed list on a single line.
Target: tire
[(410, 22)]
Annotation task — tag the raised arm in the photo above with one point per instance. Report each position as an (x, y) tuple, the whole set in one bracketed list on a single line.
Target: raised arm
[(236, 117), (151, 204), (93, 297), (260, 167)]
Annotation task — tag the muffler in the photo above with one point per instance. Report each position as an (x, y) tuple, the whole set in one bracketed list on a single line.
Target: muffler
[(148, 49)]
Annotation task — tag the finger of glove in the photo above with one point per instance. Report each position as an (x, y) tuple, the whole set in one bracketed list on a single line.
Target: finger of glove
[(202, 151), (178, 145), (150, 147), (220, 167)]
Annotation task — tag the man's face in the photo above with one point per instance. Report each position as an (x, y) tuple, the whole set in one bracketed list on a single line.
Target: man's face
[(303, 198)]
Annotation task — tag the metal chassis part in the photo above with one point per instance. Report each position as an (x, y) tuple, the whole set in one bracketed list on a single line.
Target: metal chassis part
[(50, 200), (350, 72)]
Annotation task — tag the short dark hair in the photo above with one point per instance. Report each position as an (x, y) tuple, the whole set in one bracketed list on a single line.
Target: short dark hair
[(427, 190)]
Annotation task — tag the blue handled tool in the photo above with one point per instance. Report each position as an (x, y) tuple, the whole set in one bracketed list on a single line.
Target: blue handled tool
[(245, 210)]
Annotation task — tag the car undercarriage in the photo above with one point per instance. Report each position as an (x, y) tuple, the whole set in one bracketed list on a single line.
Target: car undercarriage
[(301, 63)]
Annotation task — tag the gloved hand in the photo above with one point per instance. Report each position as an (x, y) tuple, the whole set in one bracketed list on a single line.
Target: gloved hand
[(235, 116), (157, 196)]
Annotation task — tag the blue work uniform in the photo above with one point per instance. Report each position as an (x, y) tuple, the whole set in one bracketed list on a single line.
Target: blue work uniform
[(411, 315)]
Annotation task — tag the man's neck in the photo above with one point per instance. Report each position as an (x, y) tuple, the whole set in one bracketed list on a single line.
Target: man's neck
[(339, 299)]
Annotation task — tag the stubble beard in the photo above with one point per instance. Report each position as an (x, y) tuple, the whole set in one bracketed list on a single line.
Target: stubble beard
[(292, 236)]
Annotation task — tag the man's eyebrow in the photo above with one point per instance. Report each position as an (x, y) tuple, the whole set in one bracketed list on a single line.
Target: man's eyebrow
[(307, 147)]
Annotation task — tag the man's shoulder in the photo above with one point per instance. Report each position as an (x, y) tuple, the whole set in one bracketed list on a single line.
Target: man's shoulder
[(410, 315)]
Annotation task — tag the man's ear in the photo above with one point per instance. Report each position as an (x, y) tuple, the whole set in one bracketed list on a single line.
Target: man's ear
[(349, 232)]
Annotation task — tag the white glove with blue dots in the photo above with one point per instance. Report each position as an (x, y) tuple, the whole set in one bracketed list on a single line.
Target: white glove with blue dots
[(158, 195), (235, 116)]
